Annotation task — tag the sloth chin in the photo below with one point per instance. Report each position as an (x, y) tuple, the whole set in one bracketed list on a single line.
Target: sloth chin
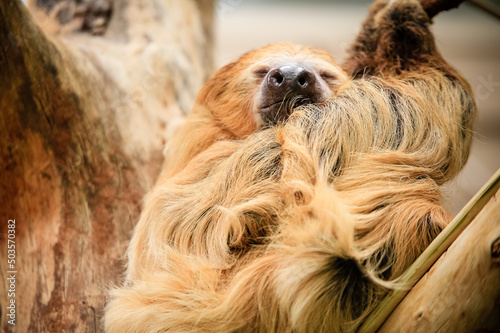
[(279, 111)]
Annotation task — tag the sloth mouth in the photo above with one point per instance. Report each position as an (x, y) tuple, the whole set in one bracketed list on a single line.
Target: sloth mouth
[(290, 102), (280, 111)]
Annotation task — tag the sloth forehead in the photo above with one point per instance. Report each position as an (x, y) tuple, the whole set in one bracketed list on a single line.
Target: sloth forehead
[(268, 62), (257, 62), (306, 60), (279, 53)]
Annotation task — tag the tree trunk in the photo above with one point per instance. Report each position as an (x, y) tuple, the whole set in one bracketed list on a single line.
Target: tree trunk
[(83, 121)]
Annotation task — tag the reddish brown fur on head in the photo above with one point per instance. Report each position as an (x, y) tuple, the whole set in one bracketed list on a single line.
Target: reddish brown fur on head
[(260, 88), (257, 89)]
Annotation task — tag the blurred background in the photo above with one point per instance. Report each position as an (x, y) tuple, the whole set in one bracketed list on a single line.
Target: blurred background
[(468, 37)]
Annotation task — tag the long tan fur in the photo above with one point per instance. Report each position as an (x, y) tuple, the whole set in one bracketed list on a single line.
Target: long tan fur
[(305, 226)]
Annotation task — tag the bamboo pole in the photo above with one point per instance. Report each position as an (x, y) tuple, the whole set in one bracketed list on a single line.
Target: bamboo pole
[(436, 250), (461, 292)]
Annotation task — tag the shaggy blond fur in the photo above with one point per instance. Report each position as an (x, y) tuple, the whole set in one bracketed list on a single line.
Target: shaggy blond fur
[(304, 226)]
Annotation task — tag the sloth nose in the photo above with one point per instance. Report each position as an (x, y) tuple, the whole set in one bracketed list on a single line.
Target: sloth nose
[(285, 88), (290, 81)]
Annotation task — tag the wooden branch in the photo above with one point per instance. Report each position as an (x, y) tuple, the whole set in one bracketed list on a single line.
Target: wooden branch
[(433, 252), (461, 293), (83, 122), (434, 7)]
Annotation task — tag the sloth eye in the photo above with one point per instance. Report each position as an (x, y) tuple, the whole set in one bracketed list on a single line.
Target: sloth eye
[(328, 76), (261, 72)]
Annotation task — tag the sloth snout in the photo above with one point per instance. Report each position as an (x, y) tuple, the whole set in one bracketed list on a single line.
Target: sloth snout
[(290, 81), (285, 88)]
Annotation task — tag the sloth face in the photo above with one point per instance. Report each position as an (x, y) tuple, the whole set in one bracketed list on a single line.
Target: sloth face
[(263, 86), (297, 77)]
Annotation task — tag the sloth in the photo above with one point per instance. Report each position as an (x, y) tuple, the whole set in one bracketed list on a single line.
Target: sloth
[(304, 225), (259, 89)]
